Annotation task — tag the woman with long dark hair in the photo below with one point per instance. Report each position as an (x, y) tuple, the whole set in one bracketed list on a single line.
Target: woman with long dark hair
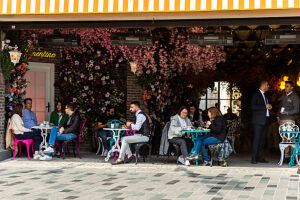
[(217, 126), (22, 133), (58, 117)]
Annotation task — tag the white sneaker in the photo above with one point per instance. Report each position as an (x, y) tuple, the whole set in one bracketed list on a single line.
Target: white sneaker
[(105, 153), (49, 150), (46, 157), (41, 153), (37, 156), (181, 160), (187, 163)]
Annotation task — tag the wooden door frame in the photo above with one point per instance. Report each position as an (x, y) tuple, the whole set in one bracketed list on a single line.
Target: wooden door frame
[(49, 68)]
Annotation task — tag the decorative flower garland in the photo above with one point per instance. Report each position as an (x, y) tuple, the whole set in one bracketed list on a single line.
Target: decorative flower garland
[(15, 75), (159, 67)]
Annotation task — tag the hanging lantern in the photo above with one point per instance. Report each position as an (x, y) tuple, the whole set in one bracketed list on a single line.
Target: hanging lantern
[(282, 85), (133, 67), (298, 83), (285, 78), (15, 55)]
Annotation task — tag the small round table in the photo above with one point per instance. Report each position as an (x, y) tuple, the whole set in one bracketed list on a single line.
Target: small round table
[(195, 134), (44, 134), (296, 152), (116, 137)]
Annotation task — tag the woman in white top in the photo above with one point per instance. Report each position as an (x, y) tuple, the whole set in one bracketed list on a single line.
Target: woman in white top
[(22, 133), (180, 122)]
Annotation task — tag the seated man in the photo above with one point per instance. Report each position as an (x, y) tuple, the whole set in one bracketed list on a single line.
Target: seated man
[(29, 118), (103, 123), (141, 126), (68, 131)]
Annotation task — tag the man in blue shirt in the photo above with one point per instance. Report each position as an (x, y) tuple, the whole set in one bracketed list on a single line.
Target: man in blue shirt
[(29, 117)]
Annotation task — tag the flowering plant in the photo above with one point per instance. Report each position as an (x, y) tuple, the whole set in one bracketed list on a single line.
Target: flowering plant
[(159, 68), (93, 74), (15, 76)]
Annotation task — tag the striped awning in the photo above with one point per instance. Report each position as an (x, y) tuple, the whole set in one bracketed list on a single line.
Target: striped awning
[(13, 7)]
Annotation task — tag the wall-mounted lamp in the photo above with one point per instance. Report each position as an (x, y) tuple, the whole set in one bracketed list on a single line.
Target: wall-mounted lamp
[(133, 67), (15, 55)]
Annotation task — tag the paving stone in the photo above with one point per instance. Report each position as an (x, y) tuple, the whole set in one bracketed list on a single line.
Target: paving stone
[(94, 179)]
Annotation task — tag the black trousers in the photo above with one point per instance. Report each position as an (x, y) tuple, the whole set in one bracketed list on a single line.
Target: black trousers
[(181, 142), (259, 140)]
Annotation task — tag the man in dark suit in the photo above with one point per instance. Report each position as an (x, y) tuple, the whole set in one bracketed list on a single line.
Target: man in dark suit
[(261, 114)]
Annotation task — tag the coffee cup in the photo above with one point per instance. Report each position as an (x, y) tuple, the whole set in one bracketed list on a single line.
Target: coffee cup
[(282, 109)]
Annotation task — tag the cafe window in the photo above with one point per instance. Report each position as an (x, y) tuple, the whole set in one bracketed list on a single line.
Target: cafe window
[(221, 96)]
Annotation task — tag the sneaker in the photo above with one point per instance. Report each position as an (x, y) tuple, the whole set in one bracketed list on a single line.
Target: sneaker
[(181, 160), (49, 150), (187, 163), (193, 156), (41, 153), (105, 153), (37, 156), (46, 157), (205, 163)]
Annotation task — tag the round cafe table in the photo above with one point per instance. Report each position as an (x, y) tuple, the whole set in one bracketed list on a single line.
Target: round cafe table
[(194, 135), (44, 134), (116, 137)]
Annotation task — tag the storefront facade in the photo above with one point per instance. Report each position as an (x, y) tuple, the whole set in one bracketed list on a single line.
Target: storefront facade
[(22, 14)]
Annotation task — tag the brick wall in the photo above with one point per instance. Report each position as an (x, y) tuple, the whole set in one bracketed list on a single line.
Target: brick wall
[(2, 111), (134, 91)]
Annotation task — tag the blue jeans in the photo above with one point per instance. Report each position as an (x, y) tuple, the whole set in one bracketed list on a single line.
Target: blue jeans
[(54, 135), (104, 134), (203, 140)]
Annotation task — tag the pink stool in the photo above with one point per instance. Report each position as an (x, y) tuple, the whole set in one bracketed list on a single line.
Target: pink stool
[(27, 142)]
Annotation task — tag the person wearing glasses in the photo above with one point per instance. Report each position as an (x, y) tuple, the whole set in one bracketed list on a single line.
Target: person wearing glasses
[(70, 130), (180, 122)]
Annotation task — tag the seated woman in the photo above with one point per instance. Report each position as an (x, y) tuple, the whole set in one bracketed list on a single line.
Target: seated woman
[(22, 133), (217, 126), (179, 122), (195, 116), (58, 117), (70, 130)]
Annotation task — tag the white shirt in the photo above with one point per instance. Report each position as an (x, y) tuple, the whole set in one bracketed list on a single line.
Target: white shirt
[(17, 125), (266, 102), (140, 119), (182, 122)]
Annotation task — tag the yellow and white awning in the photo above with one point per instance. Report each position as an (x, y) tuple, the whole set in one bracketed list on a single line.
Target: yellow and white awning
[(16, 7)]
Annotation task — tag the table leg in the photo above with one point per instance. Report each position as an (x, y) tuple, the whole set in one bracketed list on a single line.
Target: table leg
[(43, 144), (115, 147)]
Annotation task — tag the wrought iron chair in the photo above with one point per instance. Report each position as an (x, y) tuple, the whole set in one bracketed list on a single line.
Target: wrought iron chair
[(76, 143), (287, 139), (232, 128)]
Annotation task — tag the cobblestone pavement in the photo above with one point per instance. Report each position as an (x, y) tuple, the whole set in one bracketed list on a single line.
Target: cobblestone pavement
[(91, 178)]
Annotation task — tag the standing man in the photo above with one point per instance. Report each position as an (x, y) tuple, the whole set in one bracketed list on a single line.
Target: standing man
[(288, 108), (29, 118), (261, 115), (142, 132), (289, 104)]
